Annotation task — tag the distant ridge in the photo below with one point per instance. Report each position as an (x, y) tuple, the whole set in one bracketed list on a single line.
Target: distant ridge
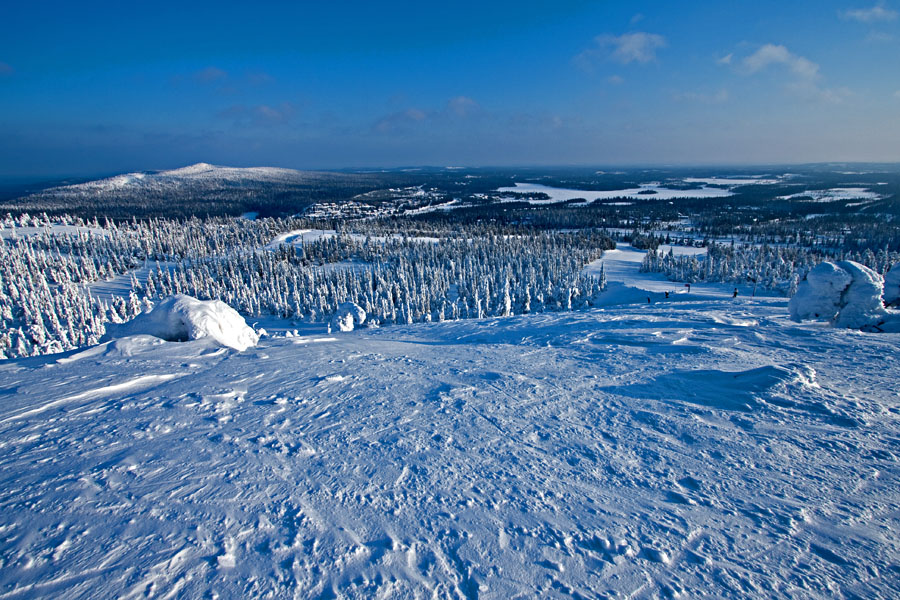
[(199, 189)]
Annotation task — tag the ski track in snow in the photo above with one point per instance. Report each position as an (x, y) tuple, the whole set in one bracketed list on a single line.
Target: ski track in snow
[(705, 447)]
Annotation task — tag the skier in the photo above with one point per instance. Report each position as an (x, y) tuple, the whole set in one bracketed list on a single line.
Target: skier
[(735, 293), (667, 293)]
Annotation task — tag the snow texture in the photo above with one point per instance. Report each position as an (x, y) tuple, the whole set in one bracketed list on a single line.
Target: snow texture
[(847, 294), (182, 318), (708, 447), (348, 317)]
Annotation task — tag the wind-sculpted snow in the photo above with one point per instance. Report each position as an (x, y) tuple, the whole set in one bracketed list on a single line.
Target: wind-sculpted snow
[(847, 294), (704, 448), (181, 318)]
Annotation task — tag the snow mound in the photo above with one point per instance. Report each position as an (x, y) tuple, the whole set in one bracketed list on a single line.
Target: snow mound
[(845, 293), (181, 318), (349, 315)]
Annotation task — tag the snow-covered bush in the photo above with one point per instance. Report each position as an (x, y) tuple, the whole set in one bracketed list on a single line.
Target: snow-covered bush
[(845, 293), (182, 318), (349, 315)]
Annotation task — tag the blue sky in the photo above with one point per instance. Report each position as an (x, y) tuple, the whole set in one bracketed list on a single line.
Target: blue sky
[(96, 87)]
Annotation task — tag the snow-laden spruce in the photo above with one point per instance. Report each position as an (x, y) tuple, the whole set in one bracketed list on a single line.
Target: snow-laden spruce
[(181, 318), (846, 294)]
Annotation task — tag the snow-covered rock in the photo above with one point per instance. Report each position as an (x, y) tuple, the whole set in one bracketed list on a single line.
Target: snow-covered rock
[(349, 315), (861, 303), (892, 286), (845, 293), (819, 295), (182, 318)]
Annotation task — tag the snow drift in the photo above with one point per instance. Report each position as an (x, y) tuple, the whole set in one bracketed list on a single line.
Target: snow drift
[(349, 315), (181, 318), (847, 294)]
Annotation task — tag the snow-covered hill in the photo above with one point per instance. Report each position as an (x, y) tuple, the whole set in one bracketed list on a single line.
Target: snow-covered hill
[(198, 188), (705, 447)]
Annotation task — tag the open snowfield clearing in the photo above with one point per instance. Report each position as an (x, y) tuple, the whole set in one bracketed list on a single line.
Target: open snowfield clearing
[(644, 192), (306, 236), (734, 181), (705, 447), (835, 194)]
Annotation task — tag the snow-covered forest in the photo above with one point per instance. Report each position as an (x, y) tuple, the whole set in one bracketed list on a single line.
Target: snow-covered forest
[(404, 274), (776, 268)]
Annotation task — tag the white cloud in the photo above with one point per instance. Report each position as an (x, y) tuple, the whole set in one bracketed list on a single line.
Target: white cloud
[(615, 80), (878, 13), (805, 73), (772, 54), (725, 60), (639, 47)]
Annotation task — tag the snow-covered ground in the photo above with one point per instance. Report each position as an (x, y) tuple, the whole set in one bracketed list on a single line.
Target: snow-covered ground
[(648, 191), (705, 447)]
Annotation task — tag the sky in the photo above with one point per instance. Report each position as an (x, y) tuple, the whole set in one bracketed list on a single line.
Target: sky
[(104, 87)]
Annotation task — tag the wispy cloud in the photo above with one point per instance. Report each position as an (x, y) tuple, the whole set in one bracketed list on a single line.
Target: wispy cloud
[(6, 69), (897, 94), (805, 73), (209, 75), (615, 80), (772, 54), (260, 115), (879, 13), (456, 110), (725, 60), (636, 47), (399, 120), (462, 106), (717, 97)]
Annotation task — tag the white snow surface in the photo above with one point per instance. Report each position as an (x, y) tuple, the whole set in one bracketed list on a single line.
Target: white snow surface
[(650, 191), (181, 318), (706, 447)]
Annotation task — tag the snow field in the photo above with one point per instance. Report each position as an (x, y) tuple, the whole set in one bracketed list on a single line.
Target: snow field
[(644, 192), (695, 448)]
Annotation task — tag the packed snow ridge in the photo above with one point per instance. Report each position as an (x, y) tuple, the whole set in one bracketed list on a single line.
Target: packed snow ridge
[(848, 294), (181, 318)]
